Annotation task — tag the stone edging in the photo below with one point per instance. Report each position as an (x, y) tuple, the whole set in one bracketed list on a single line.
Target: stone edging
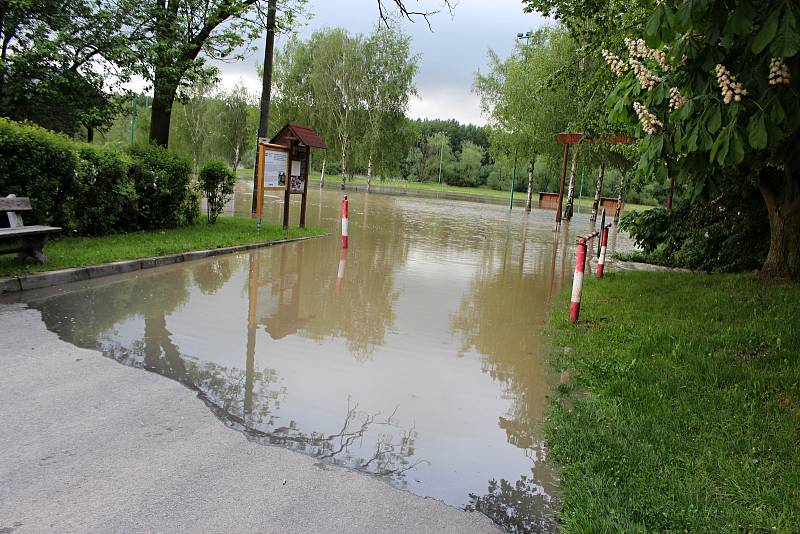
[(27, 282)]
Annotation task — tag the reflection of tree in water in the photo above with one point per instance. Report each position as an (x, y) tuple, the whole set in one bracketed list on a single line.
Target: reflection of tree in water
[(515, 507), (495, 318), (246, 399)]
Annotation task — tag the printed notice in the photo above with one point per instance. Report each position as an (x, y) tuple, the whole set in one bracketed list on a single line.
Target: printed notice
[(275, 168)]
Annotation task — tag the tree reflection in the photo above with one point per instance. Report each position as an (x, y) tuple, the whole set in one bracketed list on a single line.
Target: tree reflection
[(519, 507)]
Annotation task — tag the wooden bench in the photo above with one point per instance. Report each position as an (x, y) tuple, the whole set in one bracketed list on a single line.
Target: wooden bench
[(29, 239)]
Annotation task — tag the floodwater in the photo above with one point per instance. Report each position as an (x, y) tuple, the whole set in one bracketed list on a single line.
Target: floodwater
[(416, 355)]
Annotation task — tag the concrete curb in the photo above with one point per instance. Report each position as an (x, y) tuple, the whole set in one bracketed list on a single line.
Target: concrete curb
[(27, 282)]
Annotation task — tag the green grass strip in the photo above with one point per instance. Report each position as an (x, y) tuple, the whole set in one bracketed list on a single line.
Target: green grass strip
[(83, 251), (683, 413)]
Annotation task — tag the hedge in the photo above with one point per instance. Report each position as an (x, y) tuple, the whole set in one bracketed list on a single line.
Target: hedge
[(91, 190)]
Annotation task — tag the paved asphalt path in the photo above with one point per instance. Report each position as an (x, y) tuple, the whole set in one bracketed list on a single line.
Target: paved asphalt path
[(89, 445)]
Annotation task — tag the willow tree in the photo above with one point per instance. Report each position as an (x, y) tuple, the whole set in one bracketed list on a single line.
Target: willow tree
[(389, 83), (534, 94)]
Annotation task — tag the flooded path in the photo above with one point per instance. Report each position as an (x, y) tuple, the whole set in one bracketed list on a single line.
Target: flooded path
[(416, 355)]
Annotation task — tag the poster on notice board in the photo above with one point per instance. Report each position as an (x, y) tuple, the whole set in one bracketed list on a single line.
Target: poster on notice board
[(275, 167)]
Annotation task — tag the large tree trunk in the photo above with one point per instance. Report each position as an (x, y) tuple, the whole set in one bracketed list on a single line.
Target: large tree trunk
[(781, 194), (571, 189), (530, 186), (597, 190), (161, 113)]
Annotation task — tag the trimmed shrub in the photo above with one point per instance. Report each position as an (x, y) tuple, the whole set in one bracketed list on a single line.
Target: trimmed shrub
[(105, 198), (40, 165), (162, 180), (216, 181), (92, 190)]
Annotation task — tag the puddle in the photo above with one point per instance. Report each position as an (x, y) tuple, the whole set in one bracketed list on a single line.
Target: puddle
[(416, 355)]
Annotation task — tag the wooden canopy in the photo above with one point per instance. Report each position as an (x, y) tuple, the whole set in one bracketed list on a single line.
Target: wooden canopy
[(305, 135)]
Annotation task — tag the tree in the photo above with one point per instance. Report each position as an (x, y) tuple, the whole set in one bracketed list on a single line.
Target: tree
[(389, 78), (533, 95), (712, 94), (338, 78), (60, 60), (234, 125), (179, 35), (198, 119), (470, 165)]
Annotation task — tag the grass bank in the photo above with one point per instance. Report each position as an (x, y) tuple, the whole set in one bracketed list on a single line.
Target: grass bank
[(683, 411), (83, 251)]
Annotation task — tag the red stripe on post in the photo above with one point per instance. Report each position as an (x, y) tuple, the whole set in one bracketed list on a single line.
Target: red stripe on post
[(601, 261), (345, 222), (577, 281)]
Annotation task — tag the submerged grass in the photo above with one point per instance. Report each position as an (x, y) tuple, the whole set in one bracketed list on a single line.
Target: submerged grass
[(683, 413), (82, 251)]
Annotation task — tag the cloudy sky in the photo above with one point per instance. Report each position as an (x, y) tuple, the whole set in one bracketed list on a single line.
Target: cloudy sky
[(449, 55)]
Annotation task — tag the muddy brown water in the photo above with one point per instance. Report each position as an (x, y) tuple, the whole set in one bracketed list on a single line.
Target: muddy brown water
[(417, 355)]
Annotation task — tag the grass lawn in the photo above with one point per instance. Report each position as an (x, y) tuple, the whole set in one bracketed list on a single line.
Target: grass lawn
[(683, 413), (477, 192), (82, 251)]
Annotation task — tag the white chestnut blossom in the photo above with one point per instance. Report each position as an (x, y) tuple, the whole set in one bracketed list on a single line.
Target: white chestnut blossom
[(647, 78), (731, 89), (676, 99), (778, 72), (617, 64), (650, 123), (637, 48)]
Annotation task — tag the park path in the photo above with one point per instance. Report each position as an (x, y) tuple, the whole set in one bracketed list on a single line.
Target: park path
[(87, 446)]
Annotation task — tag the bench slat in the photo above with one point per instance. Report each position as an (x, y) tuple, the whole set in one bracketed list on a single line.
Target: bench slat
[(15, 204), (22, 231)]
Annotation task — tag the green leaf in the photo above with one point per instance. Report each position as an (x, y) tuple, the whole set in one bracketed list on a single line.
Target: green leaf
[(654, 23), (767, 32), (787, 41), (757, 132), (737, 146), (741, 23), (714, 120)]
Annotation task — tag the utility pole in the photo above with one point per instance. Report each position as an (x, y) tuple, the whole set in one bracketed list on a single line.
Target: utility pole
[(266, 88)]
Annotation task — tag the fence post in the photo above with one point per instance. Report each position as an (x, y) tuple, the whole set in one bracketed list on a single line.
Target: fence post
[(345, 221), (602, 259), (577, 281)]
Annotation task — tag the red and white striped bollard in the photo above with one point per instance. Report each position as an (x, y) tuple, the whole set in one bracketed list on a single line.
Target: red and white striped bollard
[(577, 282), (340, 272), (601, 261), (345, 221)]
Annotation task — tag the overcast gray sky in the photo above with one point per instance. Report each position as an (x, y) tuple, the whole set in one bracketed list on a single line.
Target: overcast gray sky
[(450, 54)]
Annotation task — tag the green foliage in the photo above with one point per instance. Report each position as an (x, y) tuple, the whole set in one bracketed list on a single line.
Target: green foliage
[(683, 407), (92, 191), (54, 57), (216, 181), (728, 234), (162, 183), (41, 165), (105, 195)]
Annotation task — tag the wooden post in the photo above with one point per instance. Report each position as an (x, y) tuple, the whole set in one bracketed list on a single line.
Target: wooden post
[(305, 189), (286, 194), (563, 180)]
